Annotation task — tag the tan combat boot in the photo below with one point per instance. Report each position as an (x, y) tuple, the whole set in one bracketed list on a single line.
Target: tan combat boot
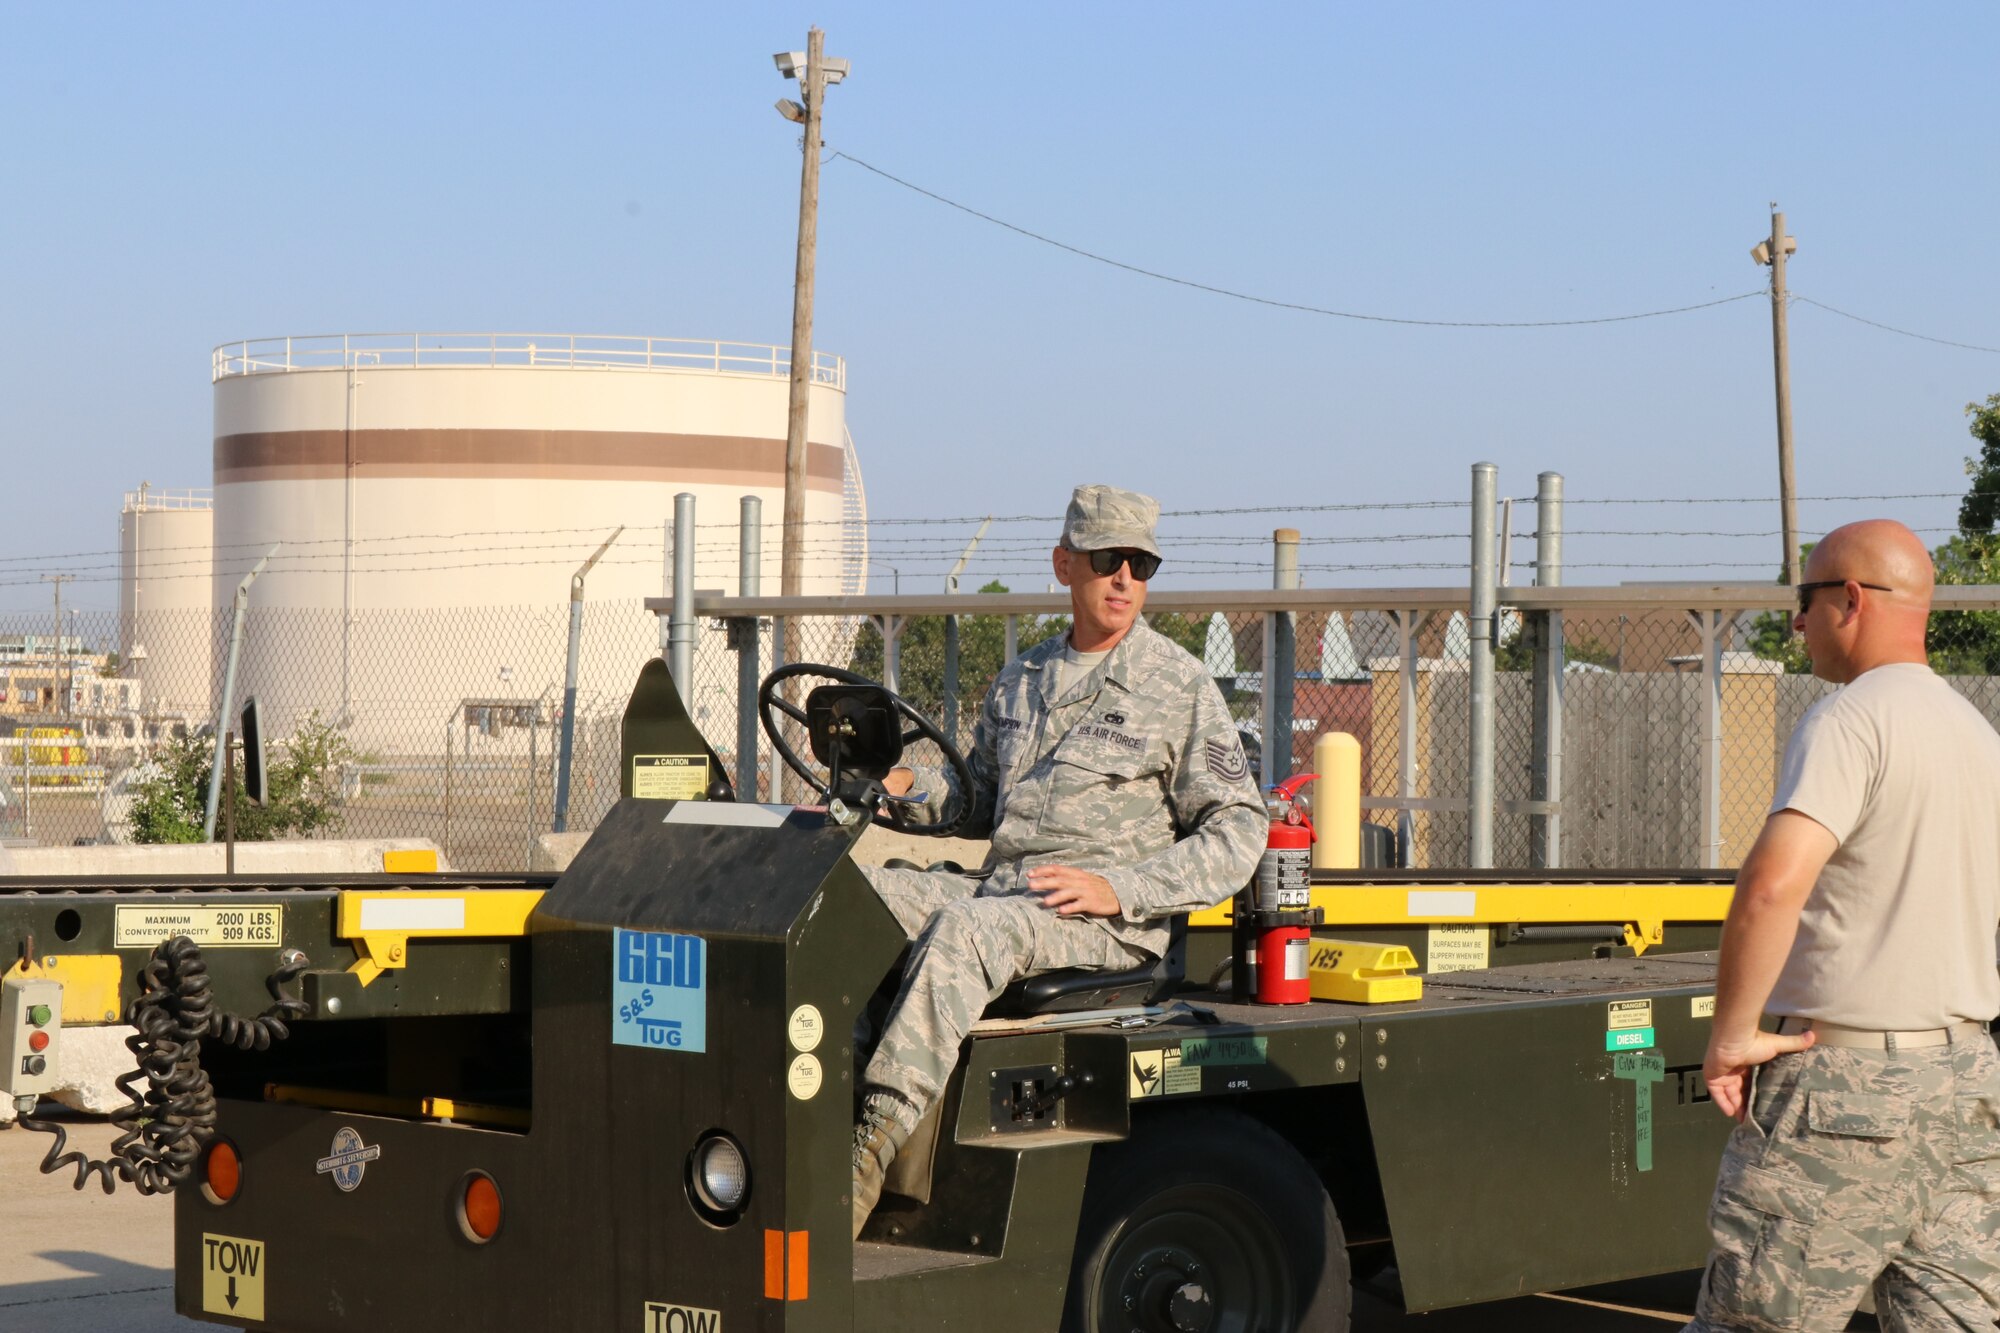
[(877, 1139)]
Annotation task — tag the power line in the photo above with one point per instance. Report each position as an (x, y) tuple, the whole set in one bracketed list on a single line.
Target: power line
[(1891, 328), (1285, 305)]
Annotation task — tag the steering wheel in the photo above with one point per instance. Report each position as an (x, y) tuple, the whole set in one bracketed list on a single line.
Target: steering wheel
[(920, 728)]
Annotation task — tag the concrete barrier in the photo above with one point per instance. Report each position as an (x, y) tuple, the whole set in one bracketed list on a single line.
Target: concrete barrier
[(94, 1057)]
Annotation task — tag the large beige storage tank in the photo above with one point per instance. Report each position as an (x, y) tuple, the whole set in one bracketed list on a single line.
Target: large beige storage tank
[(413, 482), (165, 621)]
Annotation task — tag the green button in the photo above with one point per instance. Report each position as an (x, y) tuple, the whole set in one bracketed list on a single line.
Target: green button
[(39, 1015)]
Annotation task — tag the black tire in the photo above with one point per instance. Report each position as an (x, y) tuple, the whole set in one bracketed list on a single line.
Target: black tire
[(1211, 1199)]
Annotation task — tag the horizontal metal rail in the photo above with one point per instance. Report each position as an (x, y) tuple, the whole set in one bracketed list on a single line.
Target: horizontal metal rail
[(1638, 597), (535, 351)]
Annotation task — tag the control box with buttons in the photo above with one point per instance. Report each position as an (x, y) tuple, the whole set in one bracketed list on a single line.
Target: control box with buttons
[(30, 1035)]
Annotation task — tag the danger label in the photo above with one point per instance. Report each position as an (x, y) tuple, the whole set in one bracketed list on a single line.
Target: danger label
[(232, 1276), (210, 927), (1623, 1015)]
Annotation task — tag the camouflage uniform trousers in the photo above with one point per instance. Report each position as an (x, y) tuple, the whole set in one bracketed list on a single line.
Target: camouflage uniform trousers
[(969, 948), (1859, 1168)]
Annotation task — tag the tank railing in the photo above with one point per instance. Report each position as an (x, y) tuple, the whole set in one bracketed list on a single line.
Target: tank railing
[(185, 497), (539, 351)]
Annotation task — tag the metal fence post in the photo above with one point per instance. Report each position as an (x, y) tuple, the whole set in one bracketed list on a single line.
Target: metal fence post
[(1283, 668), (1545, 780), (749, 583), (1267, 698), (1012, 646), (567, 750), (1479, 777), (948, 706), (1408, 625), (777, 765), (680, 622), (1708, 623)]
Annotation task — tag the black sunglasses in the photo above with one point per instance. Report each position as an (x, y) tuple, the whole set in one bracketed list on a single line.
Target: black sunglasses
[(1144, 566), (1806, 590)]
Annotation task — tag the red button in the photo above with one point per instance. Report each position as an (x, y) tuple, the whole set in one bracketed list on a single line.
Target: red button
[(38, 1041)]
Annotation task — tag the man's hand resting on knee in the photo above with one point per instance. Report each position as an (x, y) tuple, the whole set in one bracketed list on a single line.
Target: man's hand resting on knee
[(1068, 891)]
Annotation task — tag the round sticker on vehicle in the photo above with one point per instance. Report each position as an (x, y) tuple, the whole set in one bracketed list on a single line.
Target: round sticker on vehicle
[(805, 1028), (803, 1077)]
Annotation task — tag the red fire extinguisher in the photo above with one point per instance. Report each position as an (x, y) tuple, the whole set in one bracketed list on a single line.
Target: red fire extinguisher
[(1277, 910)]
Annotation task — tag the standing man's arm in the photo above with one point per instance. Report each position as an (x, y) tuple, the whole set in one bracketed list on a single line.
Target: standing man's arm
[(1771, 891)]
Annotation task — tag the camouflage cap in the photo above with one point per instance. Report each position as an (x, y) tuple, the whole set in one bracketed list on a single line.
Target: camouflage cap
[(1104, 516)]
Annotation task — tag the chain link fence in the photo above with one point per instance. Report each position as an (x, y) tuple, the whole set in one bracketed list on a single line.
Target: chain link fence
[(1634, 728)]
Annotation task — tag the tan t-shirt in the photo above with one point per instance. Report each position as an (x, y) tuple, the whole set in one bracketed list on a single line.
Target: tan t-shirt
[(1898, 934)]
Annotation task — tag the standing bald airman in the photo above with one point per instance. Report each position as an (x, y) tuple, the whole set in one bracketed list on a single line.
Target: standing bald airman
[(1863, 924)]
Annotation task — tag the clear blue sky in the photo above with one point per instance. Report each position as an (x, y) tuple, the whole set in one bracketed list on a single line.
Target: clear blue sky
[(178, 176)]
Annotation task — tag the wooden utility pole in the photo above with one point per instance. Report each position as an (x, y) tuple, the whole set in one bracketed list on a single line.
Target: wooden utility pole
[(1774, 252), (63, 680), (812, 88)]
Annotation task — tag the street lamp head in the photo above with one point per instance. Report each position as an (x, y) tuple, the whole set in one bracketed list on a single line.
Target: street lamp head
[(1761, 252), (792, 64), (791, 111)]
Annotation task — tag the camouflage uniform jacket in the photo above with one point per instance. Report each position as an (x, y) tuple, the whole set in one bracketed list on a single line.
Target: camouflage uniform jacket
[(1134, 773)]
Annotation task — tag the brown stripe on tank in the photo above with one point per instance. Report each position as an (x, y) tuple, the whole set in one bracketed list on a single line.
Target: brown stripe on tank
[(551, 455)]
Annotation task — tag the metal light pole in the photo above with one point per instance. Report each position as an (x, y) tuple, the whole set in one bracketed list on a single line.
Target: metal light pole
[(570, 671), (242, 604)]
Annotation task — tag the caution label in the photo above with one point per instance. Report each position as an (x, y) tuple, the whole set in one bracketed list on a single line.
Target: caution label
[(210, 927), (670, 777), (232, 1276), (1161, 1073), (1456, 949), (1147, 1074)]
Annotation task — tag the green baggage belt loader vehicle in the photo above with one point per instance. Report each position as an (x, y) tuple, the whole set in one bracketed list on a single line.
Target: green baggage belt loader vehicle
[(620, 1100)]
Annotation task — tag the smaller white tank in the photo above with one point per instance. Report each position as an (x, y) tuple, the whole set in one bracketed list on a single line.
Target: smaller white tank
[(166, 548)]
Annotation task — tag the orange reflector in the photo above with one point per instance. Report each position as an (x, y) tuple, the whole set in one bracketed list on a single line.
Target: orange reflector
[(225, 1171), (795, 1267), (774, 1265), (482, 1207)]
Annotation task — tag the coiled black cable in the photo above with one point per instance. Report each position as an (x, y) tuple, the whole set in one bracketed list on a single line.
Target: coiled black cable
[(167, 1126)]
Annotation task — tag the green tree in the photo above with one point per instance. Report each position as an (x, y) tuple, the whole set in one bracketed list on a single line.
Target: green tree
[(1771, 636), (303, 784), (1968, 642), (982, 651), (1518, 652)]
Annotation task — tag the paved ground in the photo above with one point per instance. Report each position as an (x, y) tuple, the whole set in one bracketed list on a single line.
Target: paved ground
[(81, 1263)]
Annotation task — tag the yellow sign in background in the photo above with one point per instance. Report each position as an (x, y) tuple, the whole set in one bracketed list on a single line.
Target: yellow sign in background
[(232, 1276), (670, 777)]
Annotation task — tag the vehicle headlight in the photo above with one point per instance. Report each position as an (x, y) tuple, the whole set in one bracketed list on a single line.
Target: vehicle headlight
[(719, 1177)]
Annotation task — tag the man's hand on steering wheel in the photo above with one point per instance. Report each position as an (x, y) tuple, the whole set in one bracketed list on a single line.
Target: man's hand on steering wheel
[(771, 702)]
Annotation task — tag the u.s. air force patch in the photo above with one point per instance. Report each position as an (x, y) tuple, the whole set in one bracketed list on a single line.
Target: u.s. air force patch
[(1225, 759)]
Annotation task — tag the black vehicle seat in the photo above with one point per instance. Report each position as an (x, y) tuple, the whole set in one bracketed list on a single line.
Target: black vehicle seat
[(1073, 989)]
